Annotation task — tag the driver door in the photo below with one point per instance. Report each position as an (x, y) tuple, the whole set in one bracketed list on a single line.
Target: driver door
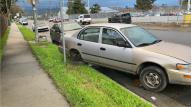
[(113, 55)]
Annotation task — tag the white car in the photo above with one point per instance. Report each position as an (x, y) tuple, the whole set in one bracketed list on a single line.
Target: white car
[(41, 27), (83, 19), (23, 21)]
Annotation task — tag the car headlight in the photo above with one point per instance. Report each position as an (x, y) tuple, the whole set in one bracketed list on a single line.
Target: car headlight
[(183, 66)]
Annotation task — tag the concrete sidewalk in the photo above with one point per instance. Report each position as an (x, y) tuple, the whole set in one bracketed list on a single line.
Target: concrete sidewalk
[(24, 83)]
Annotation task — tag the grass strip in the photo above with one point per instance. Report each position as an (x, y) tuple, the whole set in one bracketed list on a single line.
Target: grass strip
[(82, 85), (29, 35), (3, 41)]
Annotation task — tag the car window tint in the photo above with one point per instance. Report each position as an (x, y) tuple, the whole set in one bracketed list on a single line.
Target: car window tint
[(90, 34), (126, 15), (111, 37), (86, 16)]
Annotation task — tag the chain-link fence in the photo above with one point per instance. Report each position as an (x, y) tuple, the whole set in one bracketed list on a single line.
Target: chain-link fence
[(94, 16)]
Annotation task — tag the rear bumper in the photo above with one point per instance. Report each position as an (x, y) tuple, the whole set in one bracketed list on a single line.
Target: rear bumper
[(179, 77), (43, 29), (25, 23)]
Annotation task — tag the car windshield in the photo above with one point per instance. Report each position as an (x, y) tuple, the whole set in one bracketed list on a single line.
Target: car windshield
[(138, 36), (71, 26), (24, 20)]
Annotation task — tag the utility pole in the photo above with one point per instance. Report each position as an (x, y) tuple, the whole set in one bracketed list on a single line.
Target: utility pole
[(62, 28), (88, 6), (188, 9), (35, 19)]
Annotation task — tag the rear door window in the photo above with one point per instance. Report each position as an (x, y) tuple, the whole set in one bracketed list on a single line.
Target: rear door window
[(90, 34), (127, 15)]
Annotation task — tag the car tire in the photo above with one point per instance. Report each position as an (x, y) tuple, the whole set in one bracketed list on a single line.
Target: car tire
[(153, 78), (75, 56)]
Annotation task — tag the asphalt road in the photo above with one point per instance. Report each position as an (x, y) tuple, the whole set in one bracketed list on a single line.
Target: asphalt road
[(173, 95)]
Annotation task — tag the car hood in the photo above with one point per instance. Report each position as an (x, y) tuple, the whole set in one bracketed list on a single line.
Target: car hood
[(70, 33), (178, 51)]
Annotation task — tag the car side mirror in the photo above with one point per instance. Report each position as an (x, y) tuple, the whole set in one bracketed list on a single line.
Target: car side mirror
[(124, 44)]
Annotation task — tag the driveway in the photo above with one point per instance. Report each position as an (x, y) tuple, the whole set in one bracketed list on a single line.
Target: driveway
[(173, 95)]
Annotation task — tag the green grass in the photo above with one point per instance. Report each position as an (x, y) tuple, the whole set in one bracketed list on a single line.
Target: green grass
[(3, 41), (27, 33), (82, 85)]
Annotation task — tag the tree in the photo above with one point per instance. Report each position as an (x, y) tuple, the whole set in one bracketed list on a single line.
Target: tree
[(5, 6), (144, 5), (183, 3), (95, 8), (77, 8), (15, 9), (70, 6)]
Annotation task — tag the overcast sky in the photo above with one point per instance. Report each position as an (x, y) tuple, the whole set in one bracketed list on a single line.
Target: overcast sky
[(104, 3)]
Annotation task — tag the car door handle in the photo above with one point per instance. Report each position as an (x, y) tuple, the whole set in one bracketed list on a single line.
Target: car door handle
[(79, 44), (103, 49)]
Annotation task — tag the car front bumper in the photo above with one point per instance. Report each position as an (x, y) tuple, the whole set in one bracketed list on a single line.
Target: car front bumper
[(179, 77), (86, 21)]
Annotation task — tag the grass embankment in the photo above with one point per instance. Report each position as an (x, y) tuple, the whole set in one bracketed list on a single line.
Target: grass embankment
[(3, 41), (80, 84), (26, 31)]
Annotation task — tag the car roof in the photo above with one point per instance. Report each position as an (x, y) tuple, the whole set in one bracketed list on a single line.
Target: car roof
[(121, 13), (113, 25)]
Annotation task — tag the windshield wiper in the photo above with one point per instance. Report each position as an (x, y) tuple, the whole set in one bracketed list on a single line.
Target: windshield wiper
[(156, 41), (146, 44)]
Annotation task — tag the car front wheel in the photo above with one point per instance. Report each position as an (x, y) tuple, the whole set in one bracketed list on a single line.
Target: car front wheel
[(153, 78)]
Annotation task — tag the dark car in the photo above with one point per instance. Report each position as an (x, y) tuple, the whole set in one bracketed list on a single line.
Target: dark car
[(120, 18), (69, 29)]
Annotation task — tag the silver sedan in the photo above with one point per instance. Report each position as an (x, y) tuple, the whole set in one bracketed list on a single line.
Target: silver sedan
[(130, 48)]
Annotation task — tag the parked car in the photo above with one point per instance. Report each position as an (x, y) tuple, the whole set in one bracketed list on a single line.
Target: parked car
[(84, 19), (130, 48), (51, 19), (23, 21), (69, 29), (41, 27), (120, 18)]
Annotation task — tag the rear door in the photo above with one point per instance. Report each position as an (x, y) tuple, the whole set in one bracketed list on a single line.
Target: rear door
[(126, 18), (88, 43), (113, 55)]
